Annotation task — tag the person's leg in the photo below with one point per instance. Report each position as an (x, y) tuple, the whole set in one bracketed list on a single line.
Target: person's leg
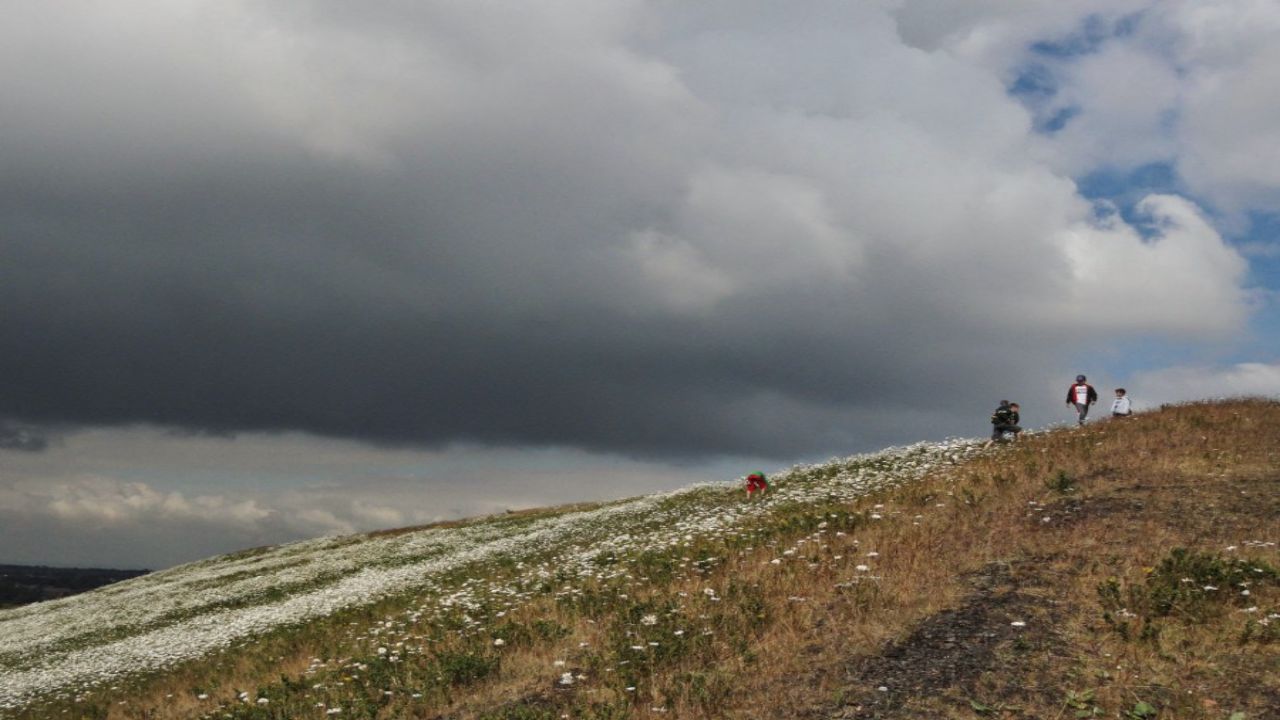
[(1082, 410)]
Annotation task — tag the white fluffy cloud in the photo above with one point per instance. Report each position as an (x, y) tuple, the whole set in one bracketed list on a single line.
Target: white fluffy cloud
[(1179, 384), (1184, 82), (869, 163), (57, 520), (1124, 97), (1227, 55), (1182, 279), (102, 500)]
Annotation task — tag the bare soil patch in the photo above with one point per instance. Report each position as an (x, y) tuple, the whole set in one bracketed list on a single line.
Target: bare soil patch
[(1119, 517), (949, 654)]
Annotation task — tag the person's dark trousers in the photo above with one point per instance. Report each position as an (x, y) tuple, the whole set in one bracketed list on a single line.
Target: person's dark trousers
[(1083, 410), (997, 432)]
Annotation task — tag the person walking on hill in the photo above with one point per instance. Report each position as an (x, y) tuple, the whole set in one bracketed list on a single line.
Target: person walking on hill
[(1120, 407), (1081, 394), (756, 481), (1005, 420)]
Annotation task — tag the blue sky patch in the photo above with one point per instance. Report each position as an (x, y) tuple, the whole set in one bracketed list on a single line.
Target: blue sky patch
[(1094, 32), (1034, 81), (1126, 187), (1035, 84), (1117, 364), (1036, 87), (1261, 244), (1057, 120)]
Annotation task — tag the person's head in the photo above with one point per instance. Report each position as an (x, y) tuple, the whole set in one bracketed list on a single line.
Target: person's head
[(1004, 403), (1119, 392), (1013, 406), (1080, 378)]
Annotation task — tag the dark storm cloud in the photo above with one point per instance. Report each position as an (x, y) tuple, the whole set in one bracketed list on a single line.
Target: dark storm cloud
[(439, 225)]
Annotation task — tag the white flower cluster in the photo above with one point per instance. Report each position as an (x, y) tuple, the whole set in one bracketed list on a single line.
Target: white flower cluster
[(64, 647)]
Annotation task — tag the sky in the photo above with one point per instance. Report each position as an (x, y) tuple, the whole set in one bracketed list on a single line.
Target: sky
[(270, 271)]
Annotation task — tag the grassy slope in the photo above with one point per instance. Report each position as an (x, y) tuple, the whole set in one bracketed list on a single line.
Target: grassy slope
[(828, 602)]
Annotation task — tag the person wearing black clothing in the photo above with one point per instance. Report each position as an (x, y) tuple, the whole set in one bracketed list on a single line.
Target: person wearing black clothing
[(1081, 395), (1005, 420)]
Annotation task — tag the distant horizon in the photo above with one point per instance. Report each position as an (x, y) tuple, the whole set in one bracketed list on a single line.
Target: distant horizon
[(4, 565), (1099, 415)]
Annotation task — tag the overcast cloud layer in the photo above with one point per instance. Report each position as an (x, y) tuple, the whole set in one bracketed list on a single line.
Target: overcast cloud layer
[(621, 226), (147, 499), (658, 229)]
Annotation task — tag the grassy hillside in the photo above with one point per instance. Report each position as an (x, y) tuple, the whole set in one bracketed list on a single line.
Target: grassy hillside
[(1125, 570)]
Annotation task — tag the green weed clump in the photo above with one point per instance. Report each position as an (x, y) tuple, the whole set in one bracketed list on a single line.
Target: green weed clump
[(522, 712), (1061, 482), (530, 634), (538, 709), (462, 668), (1188, 586)]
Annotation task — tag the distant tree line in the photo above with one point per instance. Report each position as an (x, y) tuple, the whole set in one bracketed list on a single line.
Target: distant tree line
[(22, 584)]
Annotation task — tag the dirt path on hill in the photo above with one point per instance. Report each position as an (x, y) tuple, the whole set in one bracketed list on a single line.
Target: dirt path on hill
[(975, 660), (1005, 620)]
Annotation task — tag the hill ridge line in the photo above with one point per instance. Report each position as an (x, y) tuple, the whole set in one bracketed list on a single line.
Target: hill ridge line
[(26, 633)]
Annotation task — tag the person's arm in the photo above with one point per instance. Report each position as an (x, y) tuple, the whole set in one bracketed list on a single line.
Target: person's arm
[(1093, 395)]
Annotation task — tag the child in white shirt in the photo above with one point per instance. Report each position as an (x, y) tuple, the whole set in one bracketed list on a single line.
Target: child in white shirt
[(1120, 406)]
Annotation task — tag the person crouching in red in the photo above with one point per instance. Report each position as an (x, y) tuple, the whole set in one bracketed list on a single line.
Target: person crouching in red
[(756, 481)]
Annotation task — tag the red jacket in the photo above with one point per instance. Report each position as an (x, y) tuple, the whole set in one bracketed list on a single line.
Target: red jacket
[(1091, 394)]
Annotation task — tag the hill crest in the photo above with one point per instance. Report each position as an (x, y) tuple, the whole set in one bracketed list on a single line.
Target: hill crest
[(866, 572)]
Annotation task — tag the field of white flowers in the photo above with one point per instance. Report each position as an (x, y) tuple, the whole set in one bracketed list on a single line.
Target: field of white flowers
[(62, 648)]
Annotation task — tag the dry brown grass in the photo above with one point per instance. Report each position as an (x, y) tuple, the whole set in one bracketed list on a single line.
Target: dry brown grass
[(1028, 533), (1202, 476)]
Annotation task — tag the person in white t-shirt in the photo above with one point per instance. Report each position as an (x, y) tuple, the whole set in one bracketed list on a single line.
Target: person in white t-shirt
[(1081, 395), (1120, 406)]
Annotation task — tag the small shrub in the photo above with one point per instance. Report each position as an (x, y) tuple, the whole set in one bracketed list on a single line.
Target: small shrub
[(1190, 586), (1061, 482), (523, 711), (1194, 585), (1082, 703), (461, 668), (549, 630), (709, 691), (1140, 711), (1263, 633)]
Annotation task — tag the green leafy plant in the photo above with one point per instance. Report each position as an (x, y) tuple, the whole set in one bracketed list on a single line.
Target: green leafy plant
[(1140, 711), (1061, 482), (461, 668), (1082, 704), (1187, 585)]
